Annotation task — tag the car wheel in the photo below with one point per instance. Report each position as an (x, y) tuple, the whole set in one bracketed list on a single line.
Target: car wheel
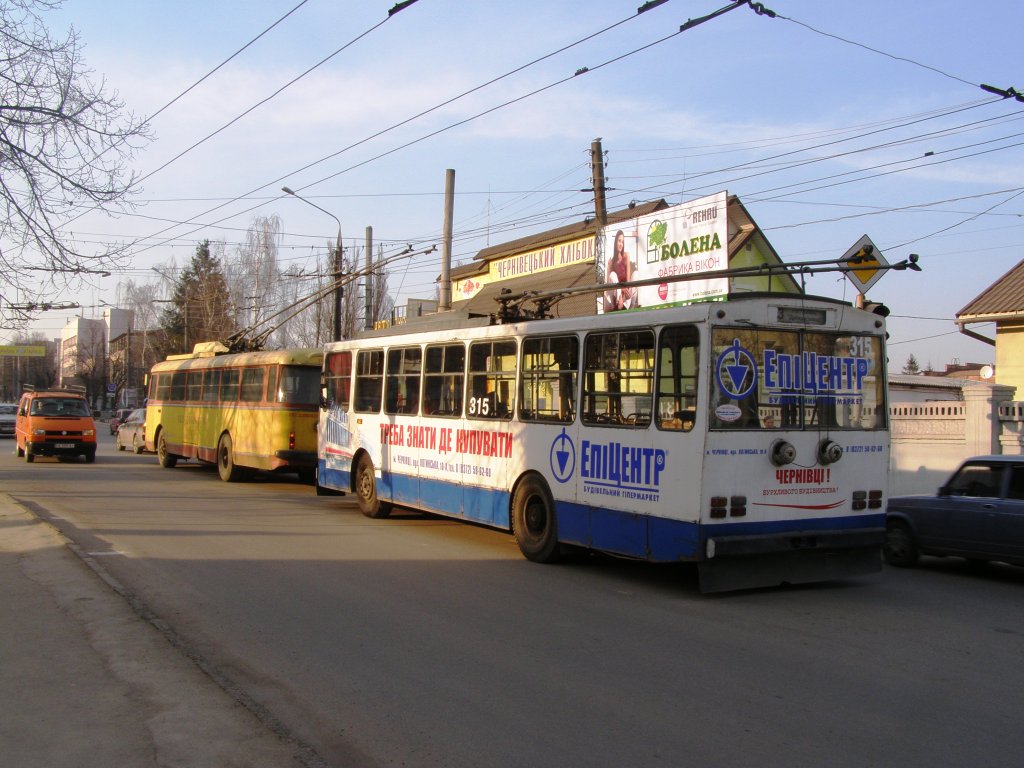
[(29, 456), (90, 457), (117, 441), (899, 548), (137, 447)]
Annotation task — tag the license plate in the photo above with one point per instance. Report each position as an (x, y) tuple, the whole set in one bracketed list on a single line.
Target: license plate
[(63, 445)]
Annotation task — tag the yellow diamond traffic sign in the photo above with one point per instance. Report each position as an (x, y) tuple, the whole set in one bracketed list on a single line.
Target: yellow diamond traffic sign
[(865, 261)]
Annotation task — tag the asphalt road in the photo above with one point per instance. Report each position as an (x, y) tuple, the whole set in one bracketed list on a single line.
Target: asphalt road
[(417, 641)]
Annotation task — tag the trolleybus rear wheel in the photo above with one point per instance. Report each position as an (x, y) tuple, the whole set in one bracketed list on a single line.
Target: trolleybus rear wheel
[(533, 521), (227, 469), (366, 490)]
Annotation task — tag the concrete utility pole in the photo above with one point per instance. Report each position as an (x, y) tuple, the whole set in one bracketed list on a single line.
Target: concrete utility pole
[(446, 248)]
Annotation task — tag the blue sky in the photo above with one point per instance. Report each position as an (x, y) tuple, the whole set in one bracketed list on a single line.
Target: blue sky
[(822, 139)]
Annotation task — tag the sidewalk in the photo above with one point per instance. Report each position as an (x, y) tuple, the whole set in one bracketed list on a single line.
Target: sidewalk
[(84, 681)]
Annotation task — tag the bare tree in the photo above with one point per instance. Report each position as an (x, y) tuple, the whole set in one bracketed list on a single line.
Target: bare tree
[(381, 302), (64, 147), (254, 276)]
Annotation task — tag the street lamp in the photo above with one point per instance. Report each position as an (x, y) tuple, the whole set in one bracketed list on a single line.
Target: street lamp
[(339, 289)]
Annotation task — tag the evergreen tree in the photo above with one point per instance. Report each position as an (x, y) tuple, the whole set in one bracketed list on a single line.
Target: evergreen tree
[(201, 308), (912, 366)]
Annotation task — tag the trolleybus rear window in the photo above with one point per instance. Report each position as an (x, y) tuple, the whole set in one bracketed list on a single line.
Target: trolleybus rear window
[(775, 379)]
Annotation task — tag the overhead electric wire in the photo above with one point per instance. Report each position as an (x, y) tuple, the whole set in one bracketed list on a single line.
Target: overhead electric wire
[(878, 51), (192, 87), (223, 63), (401, 123), (685, 27), (260, 103), (753, 163)]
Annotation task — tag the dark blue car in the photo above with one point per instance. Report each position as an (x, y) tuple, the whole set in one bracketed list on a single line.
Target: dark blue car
[(978, 514)]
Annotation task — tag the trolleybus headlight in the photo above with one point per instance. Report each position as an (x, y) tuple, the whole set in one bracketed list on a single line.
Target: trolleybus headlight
[(782, 453), (829, 452)]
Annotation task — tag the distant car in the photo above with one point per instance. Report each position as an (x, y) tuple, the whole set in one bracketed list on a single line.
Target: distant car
[(132, 432), (978, 514), (8, 417), (119, 416)]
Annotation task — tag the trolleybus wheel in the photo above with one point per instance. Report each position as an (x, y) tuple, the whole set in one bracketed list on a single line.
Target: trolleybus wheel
[(227, 469), (166, 458), (366, 490), (533, 521)]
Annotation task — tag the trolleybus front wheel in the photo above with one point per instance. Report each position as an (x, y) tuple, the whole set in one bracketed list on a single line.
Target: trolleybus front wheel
[(533, 521), (366, 490), (166, 458)]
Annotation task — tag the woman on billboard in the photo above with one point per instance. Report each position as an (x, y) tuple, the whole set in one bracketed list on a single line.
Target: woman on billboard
[(620, 270)]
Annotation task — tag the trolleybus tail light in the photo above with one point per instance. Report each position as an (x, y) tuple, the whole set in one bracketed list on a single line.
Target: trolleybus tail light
[(874, 499), (291, 441), (719, 505), (860, 500), (737, 506)]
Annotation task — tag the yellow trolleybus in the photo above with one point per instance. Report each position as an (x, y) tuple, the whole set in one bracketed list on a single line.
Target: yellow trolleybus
[(246, 411)]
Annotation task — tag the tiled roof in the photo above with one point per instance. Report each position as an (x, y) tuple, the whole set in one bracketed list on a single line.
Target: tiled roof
[(1005, 297), (559, 235)]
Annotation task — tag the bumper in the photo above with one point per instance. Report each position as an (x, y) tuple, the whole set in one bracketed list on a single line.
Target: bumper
[(746, 562), (63, 448)]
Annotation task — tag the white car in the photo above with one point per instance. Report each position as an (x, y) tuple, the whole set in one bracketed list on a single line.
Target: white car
[(8, 413)]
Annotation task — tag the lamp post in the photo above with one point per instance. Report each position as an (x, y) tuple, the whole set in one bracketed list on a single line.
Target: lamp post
[(339, 289)]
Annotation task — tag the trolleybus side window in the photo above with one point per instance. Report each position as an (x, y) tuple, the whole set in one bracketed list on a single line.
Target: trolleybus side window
[(369, 380), (677, 377), (403, 380), (160, 386), (339, 379), (178, 379), (618, 380), (549, 377), (444, 376), (229, 385), (252, 385), (492, 379), (211, 385), (194, 391)]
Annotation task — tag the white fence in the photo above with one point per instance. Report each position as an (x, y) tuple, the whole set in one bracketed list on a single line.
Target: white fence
[(930, 439)]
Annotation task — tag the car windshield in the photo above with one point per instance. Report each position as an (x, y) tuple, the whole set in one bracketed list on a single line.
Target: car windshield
[(59, 406), (8, 410)]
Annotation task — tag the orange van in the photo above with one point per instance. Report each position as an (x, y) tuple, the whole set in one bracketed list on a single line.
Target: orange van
[(55, 422)]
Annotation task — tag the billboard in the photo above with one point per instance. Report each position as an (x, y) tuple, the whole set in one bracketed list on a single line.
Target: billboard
[(683, 240)]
